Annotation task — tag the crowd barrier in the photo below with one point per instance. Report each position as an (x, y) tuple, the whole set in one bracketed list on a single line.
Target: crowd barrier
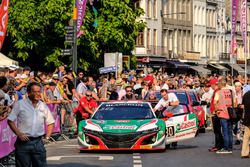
[(56, 114), (7, 139)]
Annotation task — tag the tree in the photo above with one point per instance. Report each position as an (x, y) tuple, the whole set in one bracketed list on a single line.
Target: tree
[(36, 31)]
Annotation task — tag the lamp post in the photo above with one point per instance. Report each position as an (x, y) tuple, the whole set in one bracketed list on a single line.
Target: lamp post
[(74, 61)]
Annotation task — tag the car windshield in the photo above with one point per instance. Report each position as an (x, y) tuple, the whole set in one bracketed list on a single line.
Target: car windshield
[(123, 111), (180, 109), (182, 96), (193, 97)]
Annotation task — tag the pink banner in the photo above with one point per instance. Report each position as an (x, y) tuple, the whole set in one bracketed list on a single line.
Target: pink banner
[(81, 8), (53, 109), (243, 23), (235, 6), (7, 139)]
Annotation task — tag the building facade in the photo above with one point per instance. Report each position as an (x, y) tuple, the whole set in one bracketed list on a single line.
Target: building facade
[(188, 30), (199, 27), (177, 27)]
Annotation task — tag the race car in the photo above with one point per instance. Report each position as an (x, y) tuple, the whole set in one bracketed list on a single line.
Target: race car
[(124, 126), (182, 125)]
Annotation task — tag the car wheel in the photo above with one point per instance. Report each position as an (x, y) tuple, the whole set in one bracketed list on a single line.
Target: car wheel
[(202, 130), (168, 146)]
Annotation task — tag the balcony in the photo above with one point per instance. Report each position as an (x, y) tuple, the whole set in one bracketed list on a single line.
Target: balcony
[(152, 50)]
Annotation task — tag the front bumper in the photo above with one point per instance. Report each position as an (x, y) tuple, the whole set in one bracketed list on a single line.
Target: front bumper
[(129, 141)]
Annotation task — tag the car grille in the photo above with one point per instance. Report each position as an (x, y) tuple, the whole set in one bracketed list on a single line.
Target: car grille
[(116, 140)]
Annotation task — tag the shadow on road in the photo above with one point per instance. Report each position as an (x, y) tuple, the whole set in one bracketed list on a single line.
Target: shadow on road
[(73, 165)]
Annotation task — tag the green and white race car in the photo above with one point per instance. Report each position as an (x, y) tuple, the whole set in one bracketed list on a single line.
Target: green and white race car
[(132, 125), (122, 125)]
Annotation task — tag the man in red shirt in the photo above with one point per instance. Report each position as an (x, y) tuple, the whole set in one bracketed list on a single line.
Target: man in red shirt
[(86, 107)]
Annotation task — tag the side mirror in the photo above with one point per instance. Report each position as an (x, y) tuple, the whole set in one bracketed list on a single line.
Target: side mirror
[(168, 114), (203, 103), (195, 103)]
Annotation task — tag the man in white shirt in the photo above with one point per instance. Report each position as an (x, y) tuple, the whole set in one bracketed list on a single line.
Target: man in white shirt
[(168, 100), (31, 115)]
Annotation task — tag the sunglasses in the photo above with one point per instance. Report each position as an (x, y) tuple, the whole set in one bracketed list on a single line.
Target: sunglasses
[(88, 95)]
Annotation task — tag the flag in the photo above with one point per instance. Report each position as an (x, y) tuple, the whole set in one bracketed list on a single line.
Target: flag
[(243, 23), (235, 6), (81, 8), (3, 20)]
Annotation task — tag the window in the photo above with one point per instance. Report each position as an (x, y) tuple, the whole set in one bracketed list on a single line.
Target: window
[(140, 39), (155, 9), (149, 8), (155, 37), (148, 37)]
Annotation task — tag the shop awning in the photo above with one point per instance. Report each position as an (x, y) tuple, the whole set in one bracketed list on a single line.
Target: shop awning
[(201, 69), (178, 64), (6, 61), (219, 67), (237, 68)]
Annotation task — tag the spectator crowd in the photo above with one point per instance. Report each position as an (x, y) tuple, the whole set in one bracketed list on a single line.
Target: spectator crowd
[(78, 92)]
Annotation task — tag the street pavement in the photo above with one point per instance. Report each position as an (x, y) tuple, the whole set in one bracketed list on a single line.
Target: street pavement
[(190, 153)]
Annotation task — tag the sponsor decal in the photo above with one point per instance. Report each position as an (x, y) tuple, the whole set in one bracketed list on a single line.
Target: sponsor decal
[(94, 147), (122, 121), (186, 125), (184, 134), (124, 104), (145, 146), (122, 127)]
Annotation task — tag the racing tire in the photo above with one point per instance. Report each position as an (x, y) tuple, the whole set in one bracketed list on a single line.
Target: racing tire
[(168, 146)]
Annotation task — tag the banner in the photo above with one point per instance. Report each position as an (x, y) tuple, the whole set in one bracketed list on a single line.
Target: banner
[(53, 109), (235, 6), (81, 8), (3, 20), (7, 139), (243, 23)]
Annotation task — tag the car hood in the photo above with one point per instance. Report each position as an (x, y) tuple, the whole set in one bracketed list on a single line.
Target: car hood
[(122, 126)]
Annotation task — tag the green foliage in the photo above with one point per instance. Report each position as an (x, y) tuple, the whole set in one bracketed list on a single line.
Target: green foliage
[(36, 31)]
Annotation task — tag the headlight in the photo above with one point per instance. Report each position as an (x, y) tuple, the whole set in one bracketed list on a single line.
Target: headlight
[(151, 130)]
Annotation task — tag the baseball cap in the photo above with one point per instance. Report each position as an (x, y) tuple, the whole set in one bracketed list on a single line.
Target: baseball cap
[(26, 68), (213, 81), (238, 84), (55, 76)]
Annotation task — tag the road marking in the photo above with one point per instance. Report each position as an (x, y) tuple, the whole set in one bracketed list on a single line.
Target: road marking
[(137, 160), (138, 165), (136, 154), (70, 145), (136, 157), (100, 157)]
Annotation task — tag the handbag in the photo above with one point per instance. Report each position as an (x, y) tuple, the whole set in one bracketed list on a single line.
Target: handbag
[(231, 111)]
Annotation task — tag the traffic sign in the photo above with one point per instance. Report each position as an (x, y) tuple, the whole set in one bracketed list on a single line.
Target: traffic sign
[(66, 52), (105, 70), (69, 38), (69, 35), (69, 28), (70, 31)]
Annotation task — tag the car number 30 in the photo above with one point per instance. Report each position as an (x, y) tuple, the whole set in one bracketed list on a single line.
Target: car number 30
[(170, 131)]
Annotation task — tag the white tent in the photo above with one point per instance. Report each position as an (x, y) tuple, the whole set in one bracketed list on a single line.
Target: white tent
[(5, 61)]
